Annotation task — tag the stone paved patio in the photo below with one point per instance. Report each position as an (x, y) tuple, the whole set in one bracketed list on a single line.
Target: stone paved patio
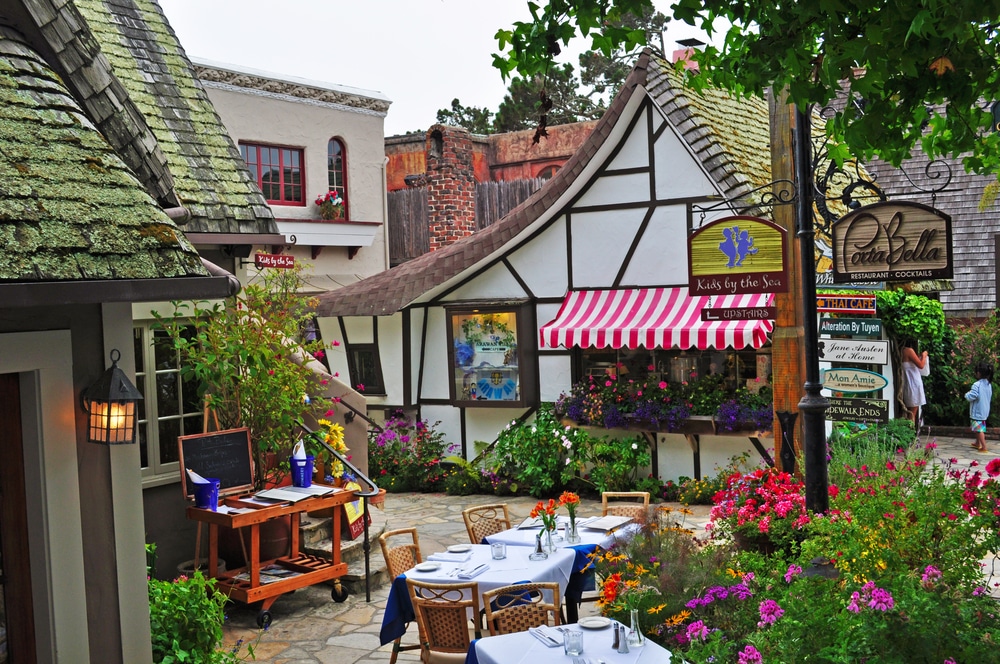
[(309, 628)]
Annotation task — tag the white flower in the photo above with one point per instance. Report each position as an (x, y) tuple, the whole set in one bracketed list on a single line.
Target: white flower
[(567, 461), (568, 428), (634, 446), (534, 430), (567, 443)]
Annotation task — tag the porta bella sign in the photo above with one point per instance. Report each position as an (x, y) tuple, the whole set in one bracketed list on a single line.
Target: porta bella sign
[(892, 242)]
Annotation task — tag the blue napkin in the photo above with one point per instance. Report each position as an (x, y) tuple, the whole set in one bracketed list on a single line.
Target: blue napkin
[(398, 611), (471, 658)]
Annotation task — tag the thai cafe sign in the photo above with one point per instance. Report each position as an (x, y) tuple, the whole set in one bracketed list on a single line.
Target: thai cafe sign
[(892, 241), (738, 255)]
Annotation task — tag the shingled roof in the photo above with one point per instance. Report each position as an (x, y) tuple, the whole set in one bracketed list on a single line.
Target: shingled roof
[(209, 177), (70, 209), (729, 135)]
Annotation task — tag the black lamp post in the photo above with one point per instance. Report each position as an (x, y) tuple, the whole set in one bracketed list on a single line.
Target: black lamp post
[(813, 404)]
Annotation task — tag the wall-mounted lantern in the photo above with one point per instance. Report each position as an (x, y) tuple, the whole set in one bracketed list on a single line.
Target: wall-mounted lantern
[(110, 403)]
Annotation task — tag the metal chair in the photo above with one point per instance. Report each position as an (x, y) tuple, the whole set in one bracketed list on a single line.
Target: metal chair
[(399, 557), (633, 504), (443, 613), (517, 607), (485, 520)]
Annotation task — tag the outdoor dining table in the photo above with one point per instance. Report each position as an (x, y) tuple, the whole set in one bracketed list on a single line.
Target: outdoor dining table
[(515, 568), (591, 540), (523, 647)]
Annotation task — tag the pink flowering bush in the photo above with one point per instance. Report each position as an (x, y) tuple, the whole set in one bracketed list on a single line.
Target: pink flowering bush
[(405, 455), (765, 509)]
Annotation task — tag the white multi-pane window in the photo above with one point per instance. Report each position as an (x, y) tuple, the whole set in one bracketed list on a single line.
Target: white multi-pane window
[(170, 406)]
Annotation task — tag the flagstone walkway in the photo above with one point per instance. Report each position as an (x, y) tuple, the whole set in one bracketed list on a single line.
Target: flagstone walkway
[(309, 628)]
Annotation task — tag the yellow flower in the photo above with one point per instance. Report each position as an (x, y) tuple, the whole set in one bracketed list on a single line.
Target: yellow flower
[(653, 610)]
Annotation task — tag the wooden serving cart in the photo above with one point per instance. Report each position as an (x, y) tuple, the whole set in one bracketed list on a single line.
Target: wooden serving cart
[(265, 581)]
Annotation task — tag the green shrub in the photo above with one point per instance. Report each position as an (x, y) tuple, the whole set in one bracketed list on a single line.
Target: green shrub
[(615, 463), (186, 618), (406, 455)]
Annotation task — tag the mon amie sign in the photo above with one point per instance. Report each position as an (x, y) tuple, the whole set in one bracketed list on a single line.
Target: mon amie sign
[(892, 242)]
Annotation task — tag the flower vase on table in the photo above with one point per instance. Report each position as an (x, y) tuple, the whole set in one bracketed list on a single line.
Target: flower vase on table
[(547, 514), (635, 637), (570, 501)]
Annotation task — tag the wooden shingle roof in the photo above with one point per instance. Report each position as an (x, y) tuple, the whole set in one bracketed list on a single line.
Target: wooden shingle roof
[(70, 209), (209, 177)]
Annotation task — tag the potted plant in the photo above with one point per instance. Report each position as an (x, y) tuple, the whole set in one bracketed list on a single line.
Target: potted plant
[(331, 205)]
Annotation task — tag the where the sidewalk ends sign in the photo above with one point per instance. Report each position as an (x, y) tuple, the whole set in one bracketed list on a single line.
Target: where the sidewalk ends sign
[(893, 241), (737, 255)]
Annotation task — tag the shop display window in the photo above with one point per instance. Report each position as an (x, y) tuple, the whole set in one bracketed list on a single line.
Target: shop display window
[(486, 347), (749, 368)]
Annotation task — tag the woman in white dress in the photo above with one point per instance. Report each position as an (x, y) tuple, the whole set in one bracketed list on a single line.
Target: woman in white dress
[(913, 383)]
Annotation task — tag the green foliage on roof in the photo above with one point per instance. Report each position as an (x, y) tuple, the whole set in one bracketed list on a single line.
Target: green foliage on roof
[(209, 176), (69, 207)]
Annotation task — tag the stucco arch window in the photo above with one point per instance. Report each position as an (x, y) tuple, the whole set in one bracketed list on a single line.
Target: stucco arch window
[(336, 168)]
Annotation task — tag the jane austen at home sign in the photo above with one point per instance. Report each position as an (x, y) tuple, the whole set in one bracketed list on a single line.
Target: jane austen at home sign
[(894, 241)]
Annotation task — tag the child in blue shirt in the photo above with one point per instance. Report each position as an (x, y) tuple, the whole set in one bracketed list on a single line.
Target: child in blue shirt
[(979, 398)]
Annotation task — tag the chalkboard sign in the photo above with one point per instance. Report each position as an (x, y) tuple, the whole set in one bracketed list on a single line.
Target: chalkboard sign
[(221, 454)]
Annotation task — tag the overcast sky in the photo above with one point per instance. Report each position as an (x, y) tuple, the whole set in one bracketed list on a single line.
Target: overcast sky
[(420, 54)]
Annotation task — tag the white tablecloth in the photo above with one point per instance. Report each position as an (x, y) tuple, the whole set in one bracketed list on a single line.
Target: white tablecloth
[(524, 648), (515, 567)]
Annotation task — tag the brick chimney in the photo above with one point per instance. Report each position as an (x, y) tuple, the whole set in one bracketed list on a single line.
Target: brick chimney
[(451, 185)]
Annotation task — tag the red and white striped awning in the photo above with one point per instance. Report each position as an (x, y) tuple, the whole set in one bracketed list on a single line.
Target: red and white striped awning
[(653, 318)]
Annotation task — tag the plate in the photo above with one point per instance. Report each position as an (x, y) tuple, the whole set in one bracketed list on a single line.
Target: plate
[(427, 567), (594, 622), (459, 548)]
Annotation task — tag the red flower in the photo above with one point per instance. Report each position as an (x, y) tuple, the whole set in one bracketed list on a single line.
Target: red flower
[(993, 468)]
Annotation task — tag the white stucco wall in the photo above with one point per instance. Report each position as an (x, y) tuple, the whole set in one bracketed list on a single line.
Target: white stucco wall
[(284, 121)]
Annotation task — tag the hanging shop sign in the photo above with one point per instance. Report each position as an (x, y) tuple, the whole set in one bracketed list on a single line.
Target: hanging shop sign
[(273, 260), (892, 241), (853, 380), (854, 350), (858, 410), (738, 255), (852, 327), (845, 304)]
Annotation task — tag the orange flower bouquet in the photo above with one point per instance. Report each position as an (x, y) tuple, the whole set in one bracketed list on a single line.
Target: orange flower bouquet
[(547, 513), (570, 501)]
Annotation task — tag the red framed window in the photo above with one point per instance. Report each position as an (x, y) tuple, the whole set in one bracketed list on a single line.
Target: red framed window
[(278, 172), (336, 169)]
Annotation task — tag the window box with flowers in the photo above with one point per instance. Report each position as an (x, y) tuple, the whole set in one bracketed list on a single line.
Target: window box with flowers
[(700, 405), (331, 205)]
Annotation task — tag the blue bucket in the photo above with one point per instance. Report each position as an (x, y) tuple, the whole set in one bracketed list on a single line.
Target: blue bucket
[(302, 471), (206, 496)]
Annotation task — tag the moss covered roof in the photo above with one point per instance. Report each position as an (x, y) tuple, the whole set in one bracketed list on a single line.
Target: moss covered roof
[(69, 207), (210, 179)]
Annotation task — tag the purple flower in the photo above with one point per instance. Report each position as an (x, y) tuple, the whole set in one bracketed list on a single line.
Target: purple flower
[(769, 612), (697, 630), (930, 575), (881, 600), (793, 571), (750, 655), (853, 607), (741, 591)]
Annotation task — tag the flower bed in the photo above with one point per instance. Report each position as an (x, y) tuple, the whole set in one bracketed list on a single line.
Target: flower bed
[(891, 573)]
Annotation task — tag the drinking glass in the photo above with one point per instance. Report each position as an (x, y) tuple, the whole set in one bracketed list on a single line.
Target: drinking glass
[(572, 642), (499, 550)]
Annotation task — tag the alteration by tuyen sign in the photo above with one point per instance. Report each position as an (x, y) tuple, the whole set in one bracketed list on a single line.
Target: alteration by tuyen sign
[(892, 241), (738, 255), (852, 327)]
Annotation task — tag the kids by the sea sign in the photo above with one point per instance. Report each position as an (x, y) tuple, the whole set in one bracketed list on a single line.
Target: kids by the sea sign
[(892, 241), (738, 255)]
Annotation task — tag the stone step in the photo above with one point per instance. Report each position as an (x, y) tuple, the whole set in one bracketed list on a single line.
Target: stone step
[(316, 540)]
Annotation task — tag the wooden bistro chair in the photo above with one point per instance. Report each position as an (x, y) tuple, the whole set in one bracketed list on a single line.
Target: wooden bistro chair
[(634, 504), (485, 520), (443, 615), (515, 608), (400, 555)]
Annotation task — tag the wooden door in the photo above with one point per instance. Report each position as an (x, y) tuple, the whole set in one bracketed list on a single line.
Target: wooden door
[(17, 629)]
